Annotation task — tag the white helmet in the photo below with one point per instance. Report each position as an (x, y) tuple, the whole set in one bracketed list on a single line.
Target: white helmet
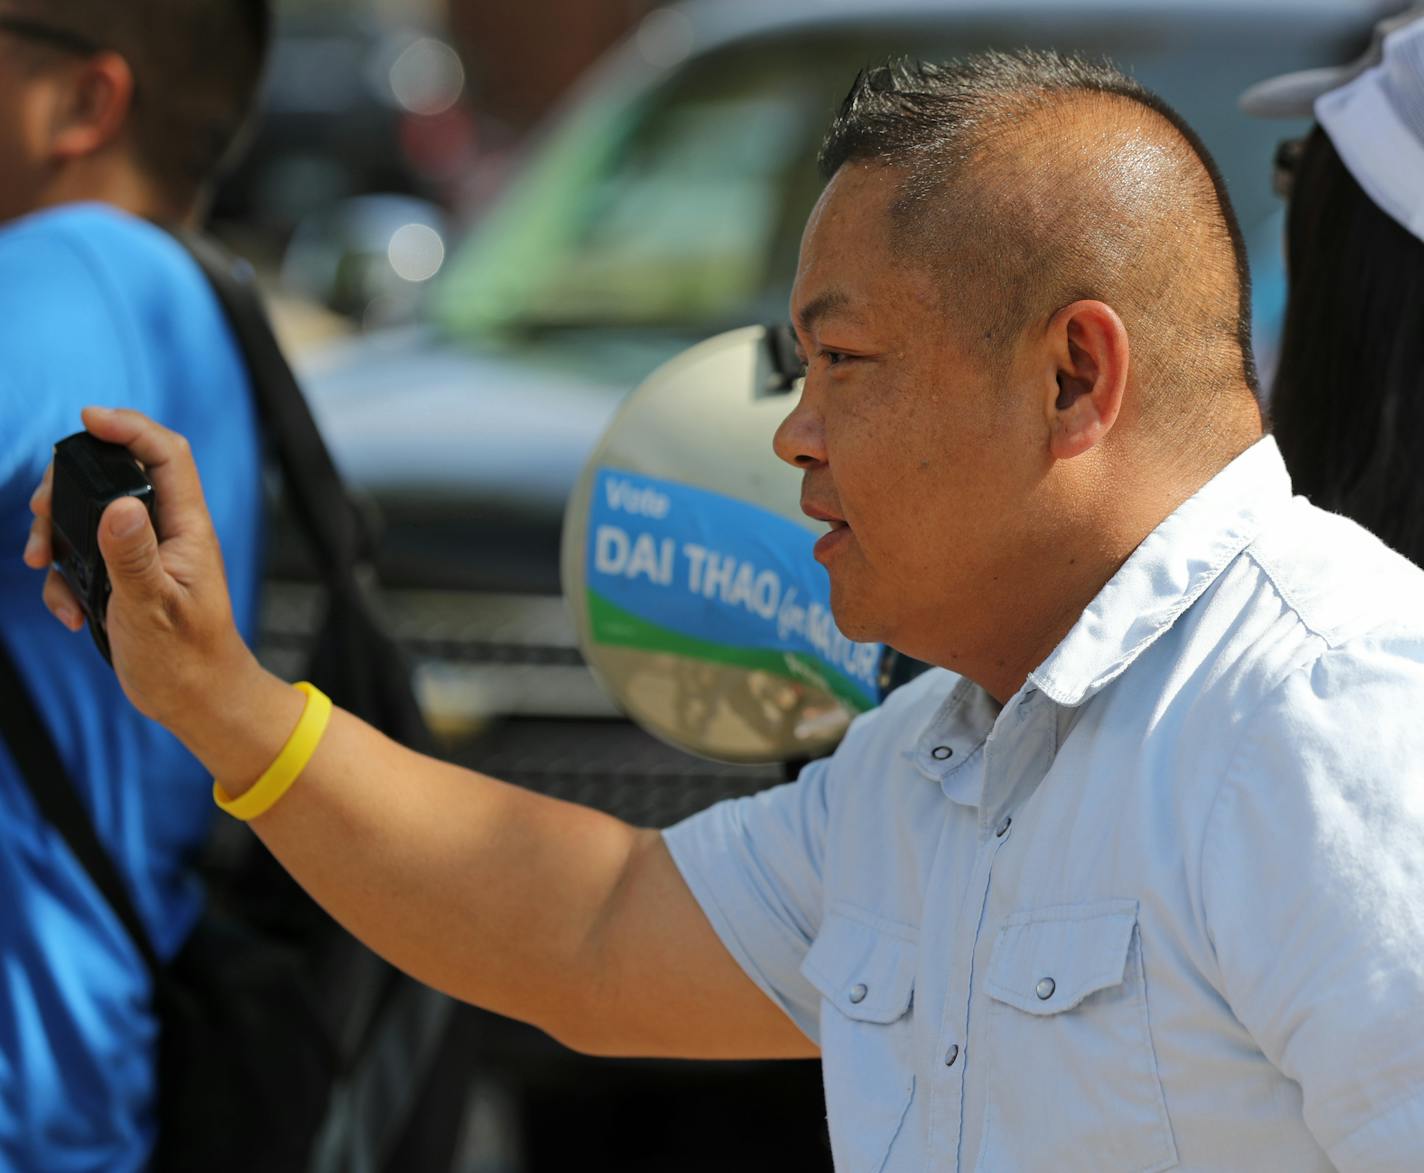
[(687, 565)]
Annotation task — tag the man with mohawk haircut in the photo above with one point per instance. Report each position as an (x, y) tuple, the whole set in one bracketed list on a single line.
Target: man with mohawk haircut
[(1130, 881)]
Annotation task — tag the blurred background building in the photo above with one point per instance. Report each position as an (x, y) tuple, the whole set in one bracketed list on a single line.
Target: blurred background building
[(481, 225)]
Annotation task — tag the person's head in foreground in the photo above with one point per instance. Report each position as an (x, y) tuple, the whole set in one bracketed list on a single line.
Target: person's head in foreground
[(1024, 305), (1347, 403), (135, 103)]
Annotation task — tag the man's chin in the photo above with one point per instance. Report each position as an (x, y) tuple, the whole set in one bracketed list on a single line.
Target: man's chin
[(855, 618)]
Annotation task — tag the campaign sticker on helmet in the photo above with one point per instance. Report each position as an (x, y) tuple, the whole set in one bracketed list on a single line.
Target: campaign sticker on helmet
[(677, 569)]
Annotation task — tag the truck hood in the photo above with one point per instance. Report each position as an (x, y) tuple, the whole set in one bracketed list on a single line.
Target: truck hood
[(406, 414)]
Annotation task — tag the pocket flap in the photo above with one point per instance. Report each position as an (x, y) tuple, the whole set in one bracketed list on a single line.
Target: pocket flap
[(864, 971), (1047, 960)]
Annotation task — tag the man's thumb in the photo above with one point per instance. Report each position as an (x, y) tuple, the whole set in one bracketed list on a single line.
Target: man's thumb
[(130, 547)]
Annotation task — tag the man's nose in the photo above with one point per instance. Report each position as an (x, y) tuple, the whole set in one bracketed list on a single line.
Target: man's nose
[(800, 440)]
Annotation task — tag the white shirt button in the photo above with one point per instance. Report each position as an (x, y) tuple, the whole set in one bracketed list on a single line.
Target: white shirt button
[(941, 753), (858, 992), (1045, 989), (951, 1055), (1004, 826)]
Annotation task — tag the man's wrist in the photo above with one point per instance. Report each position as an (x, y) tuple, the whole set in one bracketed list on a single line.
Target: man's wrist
[(237, 727)]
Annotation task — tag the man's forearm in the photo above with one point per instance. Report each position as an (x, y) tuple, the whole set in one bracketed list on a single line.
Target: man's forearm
[(481, 889), (534, 908)]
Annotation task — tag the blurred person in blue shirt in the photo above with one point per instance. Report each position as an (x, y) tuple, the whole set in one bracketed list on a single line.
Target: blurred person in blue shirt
[(114, 119)]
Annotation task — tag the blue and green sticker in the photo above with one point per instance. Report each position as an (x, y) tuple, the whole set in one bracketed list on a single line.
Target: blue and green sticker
[(676, 569)]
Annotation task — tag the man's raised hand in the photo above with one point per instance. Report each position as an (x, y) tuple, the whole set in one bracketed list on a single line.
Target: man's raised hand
[(169, 620)]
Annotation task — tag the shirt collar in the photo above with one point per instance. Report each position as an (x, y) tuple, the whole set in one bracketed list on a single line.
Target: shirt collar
[(953, 738), (1165, 575)]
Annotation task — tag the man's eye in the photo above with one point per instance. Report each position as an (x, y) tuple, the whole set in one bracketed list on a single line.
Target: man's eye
[(834, 357)]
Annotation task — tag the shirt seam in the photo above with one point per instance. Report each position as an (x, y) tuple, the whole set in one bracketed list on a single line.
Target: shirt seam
[(872, 920), (1333, 638), (1229, 781), (1281, 589), (1246, 530), (1057, 691), (724, 924)]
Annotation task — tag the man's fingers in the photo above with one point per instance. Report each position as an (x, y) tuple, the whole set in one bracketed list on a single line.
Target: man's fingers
[(38, 550), (61, 602), (130, 549), (40, 498), (167, 461), (38, 554)]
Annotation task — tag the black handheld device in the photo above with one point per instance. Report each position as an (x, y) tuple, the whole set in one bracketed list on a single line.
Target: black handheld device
[(89, 475)]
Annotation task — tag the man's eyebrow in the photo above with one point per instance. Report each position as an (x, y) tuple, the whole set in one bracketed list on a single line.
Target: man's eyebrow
[(830, 302)]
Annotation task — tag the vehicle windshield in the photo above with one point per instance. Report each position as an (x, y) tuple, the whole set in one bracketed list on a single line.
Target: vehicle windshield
[(666, 211), (680, 208)]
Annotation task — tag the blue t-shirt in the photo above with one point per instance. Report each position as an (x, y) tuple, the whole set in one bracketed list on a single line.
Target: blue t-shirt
[(99, 308)]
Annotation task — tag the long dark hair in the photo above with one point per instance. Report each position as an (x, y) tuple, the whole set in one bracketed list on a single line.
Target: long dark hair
[(1348, 400)]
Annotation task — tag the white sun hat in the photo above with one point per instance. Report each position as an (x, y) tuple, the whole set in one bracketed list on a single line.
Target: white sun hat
[(1373, 111)]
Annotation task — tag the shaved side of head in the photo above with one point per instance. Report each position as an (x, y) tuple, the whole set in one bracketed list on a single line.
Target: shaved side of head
[(1032, 180)]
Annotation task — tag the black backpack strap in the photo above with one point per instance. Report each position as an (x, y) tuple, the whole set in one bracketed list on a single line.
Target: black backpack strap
[(314, 489), (58, 801), (356, 661)]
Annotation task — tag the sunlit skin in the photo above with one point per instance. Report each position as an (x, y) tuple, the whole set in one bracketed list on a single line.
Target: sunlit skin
[(976, 507)]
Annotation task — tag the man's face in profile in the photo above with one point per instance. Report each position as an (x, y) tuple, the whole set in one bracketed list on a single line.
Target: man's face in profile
[(919, 452)]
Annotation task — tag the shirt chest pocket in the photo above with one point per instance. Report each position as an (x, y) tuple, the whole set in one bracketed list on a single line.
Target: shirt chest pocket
[(866, 978), (1072, 1079)]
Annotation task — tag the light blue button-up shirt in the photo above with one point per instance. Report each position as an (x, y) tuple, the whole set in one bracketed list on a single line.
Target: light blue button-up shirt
[(1163, 909)]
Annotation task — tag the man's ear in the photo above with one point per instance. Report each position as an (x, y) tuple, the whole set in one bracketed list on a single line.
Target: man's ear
[(1089, 352), (93, 108)]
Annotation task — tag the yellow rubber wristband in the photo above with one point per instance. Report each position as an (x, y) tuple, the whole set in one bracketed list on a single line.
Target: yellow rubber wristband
[(279, 776)]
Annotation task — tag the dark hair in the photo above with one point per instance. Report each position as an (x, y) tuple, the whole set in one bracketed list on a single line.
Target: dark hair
[(931, 120), (1348, 397), (197, 65)]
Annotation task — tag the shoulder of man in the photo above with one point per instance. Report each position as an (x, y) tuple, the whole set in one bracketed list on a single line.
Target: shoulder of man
[(98, 306), (1310, 885), (1340, 581), (1311, 587), (91, 265), (120, 255), (87, 222), (1325, 663)]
